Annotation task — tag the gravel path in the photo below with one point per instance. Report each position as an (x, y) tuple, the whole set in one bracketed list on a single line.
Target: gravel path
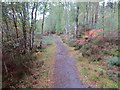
[(65, 74)]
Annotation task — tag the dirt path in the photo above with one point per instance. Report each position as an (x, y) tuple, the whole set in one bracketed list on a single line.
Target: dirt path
[(65, 74)]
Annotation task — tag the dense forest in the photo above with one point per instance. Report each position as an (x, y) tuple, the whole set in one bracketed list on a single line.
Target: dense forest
[(50, 44)]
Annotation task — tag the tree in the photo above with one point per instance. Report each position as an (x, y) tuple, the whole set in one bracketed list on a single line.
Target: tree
[(41, 37), (77, 24), (24, 25), (103, 16), (14, 19), (32, 26), (96, 14)]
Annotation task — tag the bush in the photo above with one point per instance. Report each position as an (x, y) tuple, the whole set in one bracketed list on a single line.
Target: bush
[(114, 61), (71, 42), (112, 75), (85, 49), (115, 53), (19, 59)]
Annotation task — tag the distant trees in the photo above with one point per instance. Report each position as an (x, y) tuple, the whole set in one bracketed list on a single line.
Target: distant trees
[(92, 15), (56, 17)]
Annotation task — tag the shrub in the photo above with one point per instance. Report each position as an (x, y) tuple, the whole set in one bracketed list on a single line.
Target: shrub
[(115, 53), (19, 59), (114, 61), (112, 75), (85, 49), (77, 47), (94, 77), (71, 42), (95, 58)]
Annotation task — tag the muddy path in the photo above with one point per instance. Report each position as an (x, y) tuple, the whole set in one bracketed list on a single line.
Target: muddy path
[(65, 72)]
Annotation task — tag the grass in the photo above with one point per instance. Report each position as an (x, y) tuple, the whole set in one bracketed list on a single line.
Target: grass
[(89, 74), (48, 58), (106, 83)]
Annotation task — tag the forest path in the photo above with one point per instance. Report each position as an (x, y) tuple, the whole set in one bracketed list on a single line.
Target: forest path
[(65, 74)]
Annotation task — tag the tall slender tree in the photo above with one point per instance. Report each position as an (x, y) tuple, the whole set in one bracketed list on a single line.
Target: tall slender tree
[(41, 35)]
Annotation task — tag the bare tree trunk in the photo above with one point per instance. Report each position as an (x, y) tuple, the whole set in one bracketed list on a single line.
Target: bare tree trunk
[(32, 27), (41, 37), (76, 28), (103, 17), (84, 20), (87, 13), (96, 14), (14, 20), (92, 23), (24, 26)]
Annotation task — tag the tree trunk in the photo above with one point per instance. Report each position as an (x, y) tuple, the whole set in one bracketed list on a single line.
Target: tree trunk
[(76, 28), (41, 37), (32, 27), (14, 20), (24, 26), (87, 13), (103, 17), (96, 15), (92, 23)]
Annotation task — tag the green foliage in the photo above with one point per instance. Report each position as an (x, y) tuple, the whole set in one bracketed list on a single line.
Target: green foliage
[(114, 61), (115, 53)]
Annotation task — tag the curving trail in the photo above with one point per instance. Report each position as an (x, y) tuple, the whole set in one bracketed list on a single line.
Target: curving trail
[(65, 73)]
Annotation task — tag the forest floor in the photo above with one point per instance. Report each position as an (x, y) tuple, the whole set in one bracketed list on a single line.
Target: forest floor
[(59, 66), (71, 70)]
